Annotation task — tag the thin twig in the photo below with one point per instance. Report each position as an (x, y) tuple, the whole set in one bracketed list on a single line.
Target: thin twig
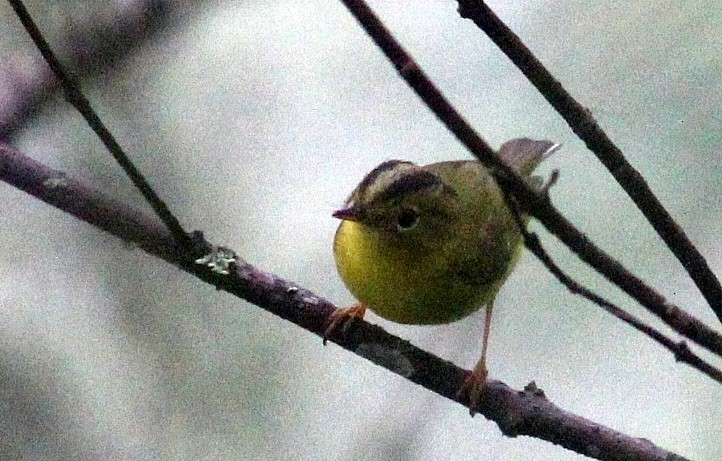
[(74, 95), (94, 44), (526, 412), (583, 125), (680, 350), (531, 200)]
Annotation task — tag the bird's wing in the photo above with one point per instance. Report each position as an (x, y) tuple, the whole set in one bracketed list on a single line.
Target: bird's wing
[(488, 260), (486, 241)]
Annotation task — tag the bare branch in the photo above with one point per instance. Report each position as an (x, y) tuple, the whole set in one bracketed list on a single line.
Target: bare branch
[(681, 351), (93, 45), (531, 201), (75, 97), (527, 412), (583, 125)]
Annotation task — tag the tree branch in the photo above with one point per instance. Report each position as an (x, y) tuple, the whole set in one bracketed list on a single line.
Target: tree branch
[(681, 351), (75, 97), (588, 130), (527, 412), (531, 201), (92, 45)]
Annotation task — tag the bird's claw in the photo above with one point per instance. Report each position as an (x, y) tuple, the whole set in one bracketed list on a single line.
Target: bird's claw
[(341, 317), (473, 386)]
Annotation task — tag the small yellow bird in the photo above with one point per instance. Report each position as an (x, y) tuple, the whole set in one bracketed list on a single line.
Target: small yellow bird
[(432, 244)]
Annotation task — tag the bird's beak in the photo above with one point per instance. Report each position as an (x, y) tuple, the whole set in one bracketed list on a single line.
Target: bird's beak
[(348, 214)]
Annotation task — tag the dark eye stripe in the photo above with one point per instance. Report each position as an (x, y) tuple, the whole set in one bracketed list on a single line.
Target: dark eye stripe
[(410, 183), (371, 178)]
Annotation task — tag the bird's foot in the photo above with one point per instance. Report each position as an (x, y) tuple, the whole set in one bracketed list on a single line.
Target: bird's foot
[(473, 386), (342, 317)]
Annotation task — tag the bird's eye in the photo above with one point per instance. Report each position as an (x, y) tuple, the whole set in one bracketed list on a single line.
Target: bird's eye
[(407, 218)]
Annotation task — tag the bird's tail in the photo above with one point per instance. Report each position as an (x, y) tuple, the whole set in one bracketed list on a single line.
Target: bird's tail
[(524, 154)]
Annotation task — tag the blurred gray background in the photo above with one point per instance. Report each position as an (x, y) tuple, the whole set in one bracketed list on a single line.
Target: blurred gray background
[(254, 120)]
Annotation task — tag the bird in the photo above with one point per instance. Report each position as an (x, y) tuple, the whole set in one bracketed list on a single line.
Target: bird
[(430, 245)]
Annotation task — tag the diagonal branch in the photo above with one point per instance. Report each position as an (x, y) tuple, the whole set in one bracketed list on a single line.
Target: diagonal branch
[(681, 351), (527, 412), (583, 125), (75, 97), (531, 201), (91, 46)]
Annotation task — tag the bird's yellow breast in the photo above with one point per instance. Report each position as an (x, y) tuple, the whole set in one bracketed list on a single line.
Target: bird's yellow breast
[(402, 284)]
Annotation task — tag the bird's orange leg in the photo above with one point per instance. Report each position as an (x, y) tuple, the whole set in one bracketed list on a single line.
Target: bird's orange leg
[(341, 318), (474, 383)]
